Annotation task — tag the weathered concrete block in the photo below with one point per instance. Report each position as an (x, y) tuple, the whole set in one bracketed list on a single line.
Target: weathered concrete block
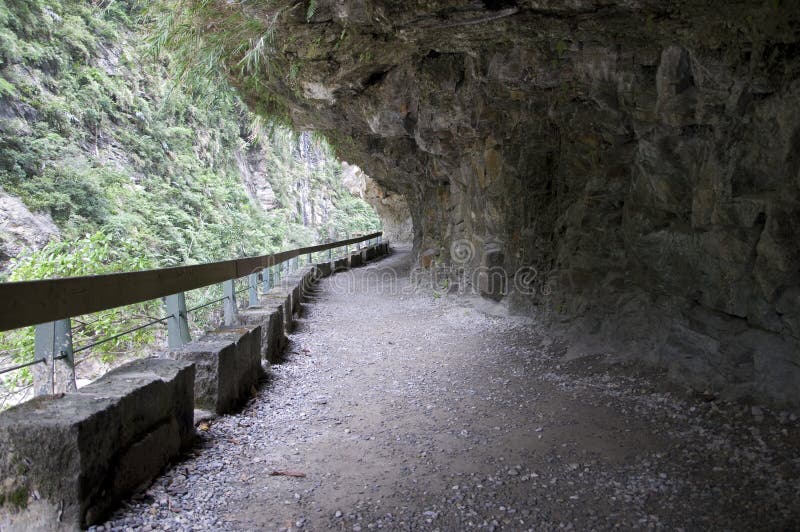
[(371, 253), (310, 278), (228, 363), (340, 265), (296, 282), (356, 259), (280, 298), (248, 346), (324, 269), (85, 451), (273, 333)]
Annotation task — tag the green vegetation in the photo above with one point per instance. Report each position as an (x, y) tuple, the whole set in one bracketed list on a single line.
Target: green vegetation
[(214, 39), (16, 498), (141, 164)]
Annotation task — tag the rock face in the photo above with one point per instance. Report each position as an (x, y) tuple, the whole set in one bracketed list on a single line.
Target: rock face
[(390, 206), (631, 167), (21, 229)]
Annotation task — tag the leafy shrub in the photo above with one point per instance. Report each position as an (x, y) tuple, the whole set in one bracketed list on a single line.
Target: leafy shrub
[(93, 254)]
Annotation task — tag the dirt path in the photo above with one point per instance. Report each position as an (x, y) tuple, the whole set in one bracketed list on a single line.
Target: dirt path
[(407, 412)]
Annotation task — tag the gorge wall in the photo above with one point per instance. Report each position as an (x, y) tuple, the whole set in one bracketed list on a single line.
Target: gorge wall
[(641, 157)]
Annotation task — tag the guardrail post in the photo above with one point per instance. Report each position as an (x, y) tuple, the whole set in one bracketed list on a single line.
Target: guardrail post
[(309, 259), (330, 255), (266, 280), (252, 290), (229, 292), (178, 322), (53, 345)]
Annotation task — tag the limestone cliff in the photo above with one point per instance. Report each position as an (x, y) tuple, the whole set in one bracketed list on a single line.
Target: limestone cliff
[(641, 157)]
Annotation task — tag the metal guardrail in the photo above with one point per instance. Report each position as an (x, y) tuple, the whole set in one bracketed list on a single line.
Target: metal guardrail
[(49, 304), (31, 302)]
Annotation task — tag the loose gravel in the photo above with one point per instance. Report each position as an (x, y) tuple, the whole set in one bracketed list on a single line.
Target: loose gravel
[(406, 411)]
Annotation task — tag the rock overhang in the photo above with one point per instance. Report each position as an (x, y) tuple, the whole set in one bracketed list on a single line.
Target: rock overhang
[(639, 155)]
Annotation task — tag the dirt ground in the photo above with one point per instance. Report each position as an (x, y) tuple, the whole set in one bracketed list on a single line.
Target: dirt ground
[(405, 411)]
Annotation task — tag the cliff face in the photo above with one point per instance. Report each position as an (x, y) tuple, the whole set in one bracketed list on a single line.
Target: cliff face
[(640, 157)]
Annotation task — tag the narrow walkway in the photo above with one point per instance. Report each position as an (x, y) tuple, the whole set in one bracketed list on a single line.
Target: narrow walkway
[(408, 412)]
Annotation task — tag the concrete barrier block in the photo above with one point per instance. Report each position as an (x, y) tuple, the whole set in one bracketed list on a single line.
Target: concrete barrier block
[(85, 451), (288, 313), (324, 269), (371, 253), (340, 265), (228, 364), (294, 283), (273, 333), (280, 298), (310, 278), (356, 259), (248, 349)]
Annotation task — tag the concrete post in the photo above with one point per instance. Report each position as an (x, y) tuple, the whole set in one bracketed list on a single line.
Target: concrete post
[(266, 279), (252, 290), (53, 345), (229, 292), (178, 322)]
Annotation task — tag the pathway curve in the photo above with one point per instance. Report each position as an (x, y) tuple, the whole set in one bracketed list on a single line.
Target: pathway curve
[(409, 412)]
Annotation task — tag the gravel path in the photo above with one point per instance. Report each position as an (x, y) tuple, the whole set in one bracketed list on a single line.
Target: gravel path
[(407, 412)]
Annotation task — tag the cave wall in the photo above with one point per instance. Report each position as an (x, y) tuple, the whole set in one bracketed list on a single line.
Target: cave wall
[(637, 160)]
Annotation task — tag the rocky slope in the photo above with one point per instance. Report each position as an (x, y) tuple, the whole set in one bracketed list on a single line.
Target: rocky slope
[(21, 229), (640, 156)]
